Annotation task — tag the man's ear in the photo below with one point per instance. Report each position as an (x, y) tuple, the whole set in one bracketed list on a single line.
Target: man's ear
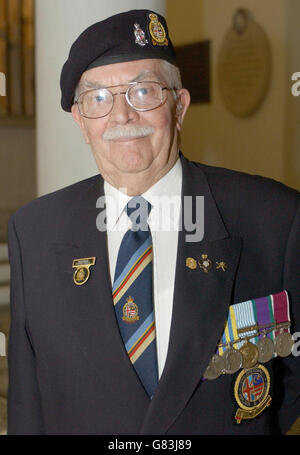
[(80, 121), (182, 104)]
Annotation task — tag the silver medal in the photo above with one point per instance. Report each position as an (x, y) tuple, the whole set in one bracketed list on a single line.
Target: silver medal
[(233, 360), (265, 349), (215, 367), (284, 344), (249, 352)]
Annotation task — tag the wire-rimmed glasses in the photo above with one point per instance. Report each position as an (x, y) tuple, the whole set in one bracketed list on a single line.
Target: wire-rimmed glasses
[(141, 96)]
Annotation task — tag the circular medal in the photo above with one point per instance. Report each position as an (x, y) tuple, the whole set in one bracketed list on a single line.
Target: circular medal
[(233, 360), (265, 348), (250, 354), (81, 275), (284, 344), (215, 367), (251, 391)]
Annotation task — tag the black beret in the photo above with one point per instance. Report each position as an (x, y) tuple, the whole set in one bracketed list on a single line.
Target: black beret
[(124, 37)]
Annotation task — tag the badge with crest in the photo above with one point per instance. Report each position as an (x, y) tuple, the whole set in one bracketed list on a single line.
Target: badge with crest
[(157, 31), (140, 37), (130, 311)]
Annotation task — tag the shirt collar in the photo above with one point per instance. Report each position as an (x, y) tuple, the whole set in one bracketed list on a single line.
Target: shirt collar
[(169, 186)]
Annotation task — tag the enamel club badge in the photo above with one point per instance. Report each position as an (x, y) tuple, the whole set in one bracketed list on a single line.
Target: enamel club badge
[(251, 391), (82, 270), (140, 37), (157, 31), (130, 311)]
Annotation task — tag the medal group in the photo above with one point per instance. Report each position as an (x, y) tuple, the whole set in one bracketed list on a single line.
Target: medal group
[(256, 331)]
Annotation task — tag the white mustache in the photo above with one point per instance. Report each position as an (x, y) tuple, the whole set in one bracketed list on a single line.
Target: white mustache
[(128, 131)]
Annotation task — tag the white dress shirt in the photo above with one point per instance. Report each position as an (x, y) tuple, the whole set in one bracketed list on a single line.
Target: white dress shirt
[(165, 198)]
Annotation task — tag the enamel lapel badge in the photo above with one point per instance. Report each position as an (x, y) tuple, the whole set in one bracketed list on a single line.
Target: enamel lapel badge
[(140, 37), (130, 311), (251, 392), (205, 263), (82, 272), (157, 31)]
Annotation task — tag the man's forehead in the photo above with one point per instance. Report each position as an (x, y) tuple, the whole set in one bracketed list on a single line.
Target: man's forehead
[(121, 73)]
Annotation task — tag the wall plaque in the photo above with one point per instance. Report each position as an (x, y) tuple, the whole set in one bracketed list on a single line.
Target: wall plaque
[(193, 61), (244, 65)]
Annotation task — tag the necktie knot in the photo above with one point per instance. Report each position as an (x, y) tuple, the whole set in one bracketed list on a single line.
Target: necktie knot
[(138, 210)]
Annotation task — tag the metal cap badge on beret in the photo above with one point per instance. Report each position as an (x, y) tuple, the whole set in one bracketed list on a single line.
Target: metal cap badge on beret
[(133, 35)]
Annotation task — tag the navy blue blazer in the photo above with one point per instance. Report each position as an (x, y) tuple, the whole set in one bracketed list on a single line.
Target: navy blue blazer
[(69, 372)]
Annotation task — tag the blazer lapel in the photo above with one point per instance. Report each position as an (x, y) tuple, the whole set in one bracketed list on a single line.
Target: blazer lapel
[(89, 307), (200, 307)]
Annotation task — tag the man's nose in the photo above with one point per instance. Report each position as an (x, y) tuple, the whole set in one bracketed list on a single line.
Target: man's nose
[(122, 112)]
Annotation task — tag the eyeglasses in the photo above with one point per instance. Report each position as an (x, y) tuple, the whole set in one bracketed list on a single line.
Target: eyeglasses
[(141, 96)]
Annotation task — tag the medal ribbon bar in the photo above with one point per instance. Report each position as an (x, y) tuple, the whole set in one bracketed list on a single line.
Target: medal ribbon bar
[(250, 320)]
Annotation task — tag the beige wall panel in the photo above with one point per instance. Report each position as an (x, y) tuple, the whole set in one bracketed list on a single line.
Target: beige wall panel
[(255, 144)]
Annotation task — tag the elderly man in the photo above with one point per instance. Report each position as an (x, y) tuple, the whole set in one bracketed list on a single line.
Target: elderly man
[(131, 320)]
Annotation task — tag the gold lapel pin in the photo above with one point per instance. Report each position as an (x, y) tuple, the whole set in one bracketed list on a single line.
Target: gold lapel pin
[(221, 266), (82, 272), (205, 264), (191, 263)]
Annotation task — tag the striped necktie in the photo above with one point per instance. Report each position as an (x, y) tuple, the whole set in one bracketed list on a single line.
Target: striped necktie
[(132, 294)]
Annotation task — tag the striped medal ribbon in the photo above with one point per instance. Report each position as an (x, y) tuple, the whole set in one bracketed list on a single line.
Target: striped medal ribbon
[(255, 319), (255, 331)]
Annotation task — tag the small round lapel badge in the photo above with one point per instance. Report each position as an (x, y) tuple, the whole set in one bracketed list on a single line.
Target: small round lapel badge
[(251, 391), (81, 275), (82, 272), (157, 31), (130, 311), (191, 263)]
